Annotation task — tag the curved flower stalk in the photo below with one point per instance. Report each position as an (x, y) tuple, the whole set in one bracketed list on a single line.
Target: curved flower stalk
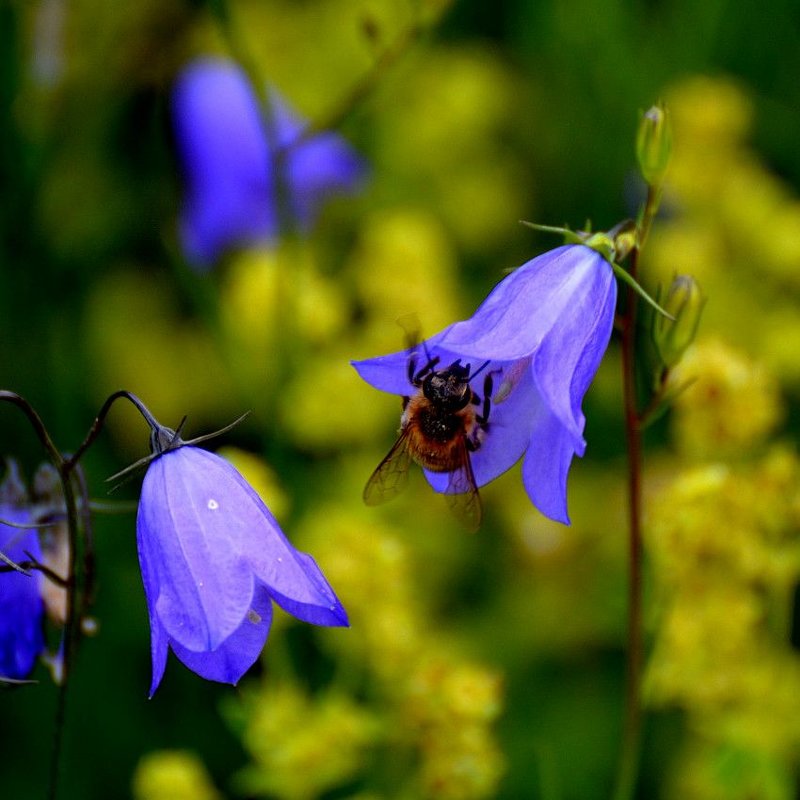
[(229, 163), (22, 638), (213, 560), (543, 330)]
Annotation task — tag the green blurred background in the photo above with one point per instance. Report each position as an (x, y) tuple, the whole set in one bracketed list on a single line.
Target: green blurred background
[(476, 666)]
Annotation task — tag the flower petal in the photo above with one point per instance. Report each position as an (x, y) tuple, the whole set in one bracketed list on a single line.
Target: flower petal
[(148, 560), (317, 167), (546, 465), (228, 662), (229, 167), (523, 309), (159, 642), (320, 169), (302, 599), (291, 577), (387, 373), (568, 359), (226, 160), (196, 580), (217, 218), (21, 606)]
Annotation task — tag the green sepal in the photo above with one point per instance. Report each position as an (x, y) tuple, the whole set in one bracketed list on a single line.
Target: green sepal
[(625, 277), (602, 243), (570, 236)]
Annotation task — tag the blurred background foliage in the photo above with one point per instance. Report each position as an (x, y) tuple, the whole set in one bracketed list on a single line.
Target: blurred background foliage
[(476, 666)]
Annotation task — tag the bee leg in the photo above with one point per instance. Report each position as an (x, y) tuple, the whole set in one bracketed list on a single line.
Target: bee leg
[(412, 369), (405, 402), (483, 418)]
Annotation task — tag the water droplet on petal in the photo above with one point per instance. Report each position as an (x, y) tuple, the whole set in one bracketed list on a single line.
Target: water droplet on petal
[(213, 504), (89, 626)]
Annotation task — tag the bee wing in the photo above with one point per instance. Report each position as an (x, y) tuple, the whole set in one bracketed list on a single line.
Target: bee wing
[(391, 475), (462, 494)]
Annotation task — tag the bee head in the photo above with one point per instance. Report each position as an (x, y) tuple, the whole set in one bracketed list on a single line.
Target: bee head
[(449, 388)]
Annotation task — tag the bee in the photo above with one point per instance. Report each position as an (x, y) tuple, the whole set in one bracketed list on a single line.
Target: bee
[(442, 423)]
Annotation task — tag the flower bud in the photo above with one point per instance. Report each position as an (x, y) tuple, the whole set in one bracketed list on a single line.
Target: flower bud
[(624, 242), (685, 303), (601, 243), (654, 144)]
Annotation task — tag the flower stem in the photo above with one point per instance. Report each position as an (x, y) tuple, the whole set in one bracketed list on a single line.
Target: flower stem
[(628, 767), (631, 733), (81, 562)]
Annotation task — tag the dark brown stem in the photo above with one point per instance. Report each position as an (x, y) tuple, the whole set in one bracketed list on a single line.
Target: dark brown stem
[(37, 424), (100, 419), (632, 724)]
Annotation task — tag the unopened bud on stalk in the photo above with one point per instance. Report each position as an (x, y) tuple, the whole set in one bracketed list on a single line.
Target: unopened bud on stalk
[(624, 242), (654, 144), (685, 303)]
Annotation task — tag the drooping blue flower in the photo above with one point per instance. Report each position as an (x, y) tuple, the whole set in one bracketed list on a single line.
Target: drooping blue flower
[(543, 329), (21, 607), (213, 560), (230, 187)]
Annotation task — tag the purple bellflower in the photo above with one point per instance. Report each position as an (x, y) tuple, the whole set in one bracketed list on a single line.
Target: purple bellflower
[(21, 606), (213, 559), (543, 331), (228, 163)]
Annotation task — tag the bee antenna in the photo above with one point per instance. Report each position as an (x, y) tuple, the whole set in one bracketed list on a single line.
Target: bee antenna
[(480, 369)]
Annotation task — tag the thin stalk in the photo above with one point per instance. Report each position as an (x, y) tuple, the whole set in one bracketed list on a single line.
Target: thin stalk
[(632, 725), (628, 769), (78, 576), (99, 421), (75, 577)]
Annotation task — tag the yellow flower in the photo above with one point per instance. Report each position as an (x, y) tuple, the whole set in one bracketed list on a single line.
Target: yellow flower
[(172, 775)]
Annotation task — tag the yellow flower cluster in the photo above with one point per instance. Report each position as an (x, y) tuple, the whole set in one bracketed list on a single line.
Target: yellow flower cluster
[(725, 556), (730, 403), (301, 745), (435, 707), (172, 775), (722, 531), (448, 709)]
